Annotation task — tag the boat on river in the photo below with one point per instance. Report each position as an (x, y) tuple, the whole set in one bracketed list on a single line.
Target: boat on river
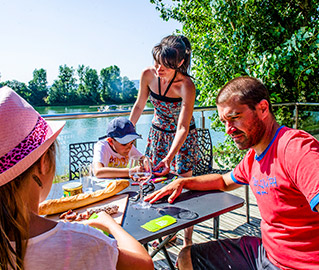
[(107, 108)]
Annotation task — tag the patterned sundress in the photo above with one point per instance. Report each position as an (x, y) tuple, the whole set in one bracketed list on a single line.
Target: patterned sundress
[(162, 133)]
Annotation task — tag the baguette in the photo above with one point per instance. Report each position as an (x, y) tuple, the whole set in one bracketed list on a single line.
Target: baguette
[(54, 206)]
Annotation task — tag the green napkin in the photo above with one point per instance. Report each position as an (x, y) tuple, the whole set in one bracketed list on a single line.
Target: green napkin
[(159, 223)]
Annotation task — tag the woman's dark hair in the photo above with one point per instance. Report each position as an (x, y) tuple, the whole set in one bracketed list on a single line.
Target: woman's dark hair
[(250, 91), (171, 51)]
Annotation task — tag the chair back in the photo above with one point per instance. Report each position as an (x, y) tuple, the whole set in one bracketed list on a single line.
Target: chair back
[(79, 153), (205, 152)]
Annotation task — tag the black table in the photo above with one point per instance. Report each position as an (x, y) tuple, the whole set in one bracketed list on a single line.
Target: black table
[(205, 205)]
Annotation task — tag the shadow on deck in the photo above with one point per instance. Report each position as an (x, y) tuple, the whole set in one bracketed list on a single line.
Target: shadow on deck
[(232, 225)]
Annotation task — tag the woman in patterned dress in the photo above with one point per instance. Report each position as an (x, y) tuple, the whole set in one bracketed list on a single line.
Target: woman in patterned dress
[(172, 141)]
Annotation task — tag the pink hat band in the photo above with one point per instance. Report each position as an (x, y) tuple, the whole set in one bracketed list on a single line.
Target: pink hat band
[(36, 137), (24, 135)]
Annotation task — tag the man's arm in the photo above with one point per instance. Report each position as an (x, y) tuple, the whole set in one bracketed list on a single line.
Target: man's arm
[(201, 182)]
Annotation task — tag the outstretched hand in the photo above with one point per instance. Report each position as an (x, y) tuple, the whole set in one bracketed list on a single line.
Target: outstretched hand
[(173, 189)]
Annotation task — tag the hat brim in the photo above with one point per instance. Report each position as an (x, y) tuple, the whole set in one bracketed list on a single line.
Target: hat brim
[(30, 159), (127, 138)]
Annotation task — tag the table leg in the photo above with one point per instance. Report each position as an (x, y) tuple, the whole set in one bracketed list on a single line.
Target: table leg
[(162, 247), (216, 227), (247, 203)]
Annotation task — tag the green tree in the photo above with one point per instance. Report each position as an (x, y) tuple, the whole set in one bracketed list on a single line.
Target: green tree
[(129, 92), (276, 41), (38, 87), (63, 90), (89, 86), (111, 84), (81, 74)]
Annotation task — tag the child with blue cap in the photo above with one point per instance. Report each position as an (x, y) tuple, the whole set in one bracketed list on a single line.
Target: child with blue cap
[(112, 152)]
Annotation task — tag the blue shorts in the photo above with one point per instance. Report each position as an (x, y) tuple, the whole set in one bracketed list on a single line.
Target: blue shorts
[(243, 253)]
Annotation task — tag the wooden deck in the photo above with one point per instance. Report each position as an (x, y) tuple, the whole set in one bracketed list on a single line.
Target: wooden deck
[(231, 225)]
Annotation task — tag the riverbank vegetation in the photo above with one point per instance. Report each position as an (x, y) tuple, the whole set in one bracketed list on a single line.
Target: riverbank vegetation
[(83, 86)]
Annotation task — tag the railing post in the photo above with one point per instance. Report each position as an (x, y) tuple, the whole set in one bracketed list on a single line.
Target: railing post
[(203, 120), (296, 115)]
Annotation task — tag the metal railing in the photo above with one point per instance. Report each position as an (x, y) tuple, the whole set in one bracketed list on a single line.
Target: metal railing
[(115, 113), (95, 129)]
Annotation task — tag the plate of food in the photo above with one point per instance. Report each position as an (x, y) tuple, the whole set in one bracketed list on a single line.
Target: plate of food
[(81, 206), (115, 206)]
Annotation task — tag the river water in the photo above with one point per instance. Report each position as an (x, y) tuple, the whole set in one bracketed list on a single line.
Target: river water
[(82, 130)]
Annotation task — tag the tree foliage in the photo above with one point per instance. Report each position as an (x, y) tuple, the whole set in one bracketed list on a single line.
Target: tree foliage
[(63, 90), (276, 41), (83, 86), (111, 82), (38, 87), (89, 87)]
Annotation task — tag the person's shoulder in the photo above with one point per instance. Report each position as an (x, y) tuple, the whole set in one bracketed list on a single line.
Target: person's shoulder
[(189, 83), (101, 143), (149, 73), (294, 141), (187, 87), (291, 133)]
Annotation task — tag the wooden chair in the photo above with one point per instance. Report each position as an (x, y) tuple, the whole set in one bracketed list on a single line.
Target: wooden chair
[(79, 153), (205, 163)]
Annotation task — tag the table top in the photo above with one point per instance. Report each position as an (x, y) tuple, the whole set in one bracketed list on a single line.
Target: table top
[(203, 204)]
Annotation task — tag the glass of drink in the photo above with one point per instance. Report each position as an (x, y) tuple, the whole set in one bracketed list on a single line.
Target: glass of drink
[(86, 174), (140, 170)]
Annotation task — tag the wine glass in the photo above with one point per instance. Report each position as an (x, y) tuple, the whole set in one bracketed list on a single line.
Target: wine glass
[(86, 173), (140, 170)]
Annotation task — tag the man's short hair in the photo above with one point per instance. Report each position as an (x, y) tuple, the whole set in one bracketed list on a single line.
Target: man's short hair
[(249, 91)]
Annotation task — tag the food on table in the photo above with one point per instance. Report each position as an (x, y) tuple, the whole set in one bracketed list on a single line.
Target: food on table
[(55, 206), (109, 209), (71, 215)]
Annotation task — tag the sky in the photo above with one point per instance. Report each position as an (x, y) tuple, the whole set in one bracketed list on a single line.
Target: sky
[(46, 34)]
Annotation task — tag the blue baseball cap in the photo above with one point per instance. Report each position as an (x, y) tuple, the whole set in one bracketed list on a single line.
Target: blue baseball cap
[(122, 130)]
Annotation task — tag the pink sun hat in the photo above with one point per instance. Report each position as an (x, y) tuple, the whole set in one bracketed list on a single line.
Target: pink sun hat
[(24, 135)]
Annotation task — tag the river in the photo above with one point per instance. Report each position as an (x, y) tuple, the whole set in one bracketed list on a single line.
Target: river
[(82, 130)]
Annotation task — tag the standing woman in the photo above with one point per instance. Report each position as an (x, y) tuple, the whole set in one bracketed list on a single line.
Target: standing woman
[(30, 241), (173, 138)]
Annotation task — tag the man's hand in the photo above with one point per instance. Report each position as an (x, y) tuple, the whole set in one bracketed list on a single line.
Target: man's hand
[(173, 189)]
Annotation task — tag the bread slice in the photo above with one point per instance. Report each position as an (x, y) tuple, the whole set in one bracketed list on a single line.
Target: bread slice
[(54, 206)]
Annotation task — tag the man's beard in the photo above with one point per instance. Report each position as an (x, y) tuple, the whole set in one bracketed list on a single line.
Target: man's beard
[(253, 136)]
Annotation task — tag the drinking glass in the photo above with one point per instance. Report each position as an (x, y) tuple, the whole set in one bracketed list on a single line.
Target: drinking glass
[(86, 175), (140, 170)]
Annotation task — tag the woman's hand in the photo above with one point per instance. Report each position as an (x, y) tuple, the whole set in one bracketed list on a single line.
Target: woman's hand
[(162, 168), (102, 222)]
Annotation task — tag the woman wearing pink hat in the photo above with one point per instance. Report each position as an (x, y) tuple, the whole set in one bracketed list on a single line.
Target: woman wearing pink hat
[(27, 167)]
